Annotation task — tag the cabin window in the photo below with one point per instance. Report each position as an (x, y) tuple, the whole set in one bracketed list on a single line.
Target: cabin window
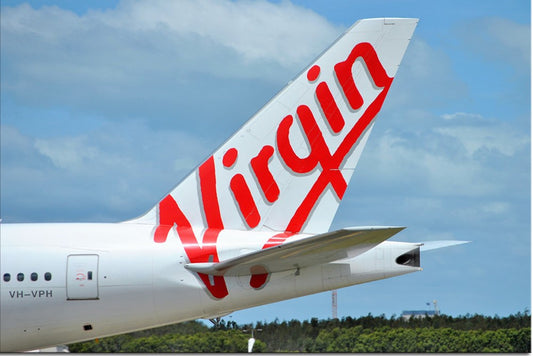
[(47, 276), (34, 276), (20, 277), (7, 277)]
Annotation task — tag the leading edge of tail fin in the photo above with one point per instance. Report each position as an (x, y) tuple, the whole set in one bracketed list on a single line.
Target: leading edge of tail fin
[(287, 168)]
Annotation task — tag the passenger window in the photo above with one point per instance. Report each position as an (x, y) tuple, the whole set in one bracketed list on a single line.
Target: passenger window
[(47, 276), (7, 277), (20, 277), (34, 276)]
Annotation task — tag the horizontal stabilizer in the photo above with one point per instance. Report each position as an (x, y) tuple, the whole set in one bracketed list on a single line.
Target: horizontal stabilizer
[(313, 250), (433, 245)]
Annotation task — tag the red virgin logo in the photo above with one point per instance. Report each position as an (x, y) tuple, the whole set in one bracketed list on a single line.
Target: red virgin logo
[(321, 158)]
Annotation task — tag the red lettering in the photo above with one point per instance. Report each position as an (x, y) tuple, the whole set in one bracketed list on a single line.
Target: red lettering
[(278, 239), (208, 187), (230, 157), (313, 73), (293, 161), (245, 200), (319, 153), (264, 176), (329, 107), (170, 215), (345, 77), (327, 102), (330, 163)]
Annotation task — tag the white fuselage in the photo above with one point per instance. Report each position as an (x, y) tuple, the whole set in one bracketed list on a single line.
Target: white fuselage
[(107, 279)]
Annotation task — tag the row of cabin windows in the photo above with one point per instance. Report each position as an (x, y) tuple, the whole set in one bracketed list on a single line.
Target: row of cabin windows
[(34, 276)]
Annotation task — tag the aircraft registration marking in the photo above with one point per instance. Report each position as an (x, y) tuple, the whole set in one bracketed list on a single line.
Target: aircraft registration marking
[(38, 293)]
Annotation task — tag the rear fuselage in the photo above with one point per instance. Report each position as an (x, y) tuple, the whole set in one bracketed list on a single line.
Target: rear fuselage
[(64, 283)]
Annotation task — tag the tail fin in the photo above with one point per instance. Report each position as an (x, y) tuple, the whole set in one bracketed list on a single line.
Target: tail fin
[(288, 167)]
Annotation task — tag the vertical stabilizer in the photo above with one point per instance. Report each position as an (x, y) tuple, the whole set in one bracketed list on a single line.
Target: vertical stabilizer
[(288, 167)]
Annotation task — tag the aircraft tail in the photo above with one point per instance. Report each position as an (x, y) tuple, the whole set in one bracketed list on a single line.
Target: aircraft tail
[(288, 167)]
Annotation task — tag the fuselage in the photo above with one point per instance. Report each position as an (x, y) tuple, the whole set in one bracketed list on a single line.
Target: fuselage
[(63, 283)]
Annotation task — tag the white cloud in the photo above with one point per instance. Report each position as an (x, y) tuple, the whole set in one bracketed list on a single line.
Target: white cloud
[(170, 64), (499, 138), (432, 166), (66, 153), (137, 78), (257, 30), (457, 155), (158, 59), (496, 208), (110, 172), (461, 116)]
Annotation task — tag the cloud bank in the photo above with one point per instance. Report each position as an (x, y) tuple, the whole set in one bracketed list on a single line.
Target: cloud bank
[(110, 109), (166, 62)]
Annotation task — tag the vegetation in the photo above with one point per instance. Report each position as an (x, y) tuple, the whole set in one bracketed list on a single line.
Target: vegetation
[(470, 333)]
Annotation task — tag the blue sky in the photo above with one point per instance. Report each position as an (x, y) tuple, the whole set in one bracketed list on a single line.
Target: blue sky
[(106, 105)]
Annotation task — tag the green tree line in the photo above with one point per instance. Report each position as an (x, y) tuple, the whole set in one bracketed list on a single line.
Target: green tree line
[(441, 333), (389, 340)]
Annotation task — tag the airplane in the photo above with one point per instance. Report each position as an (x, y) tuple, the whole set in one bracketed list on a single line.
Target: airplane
[(249, 226)]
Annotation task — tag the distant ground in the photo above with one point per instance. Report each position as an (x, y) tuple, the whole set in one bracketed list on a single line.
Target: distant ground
[(439, 333)]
